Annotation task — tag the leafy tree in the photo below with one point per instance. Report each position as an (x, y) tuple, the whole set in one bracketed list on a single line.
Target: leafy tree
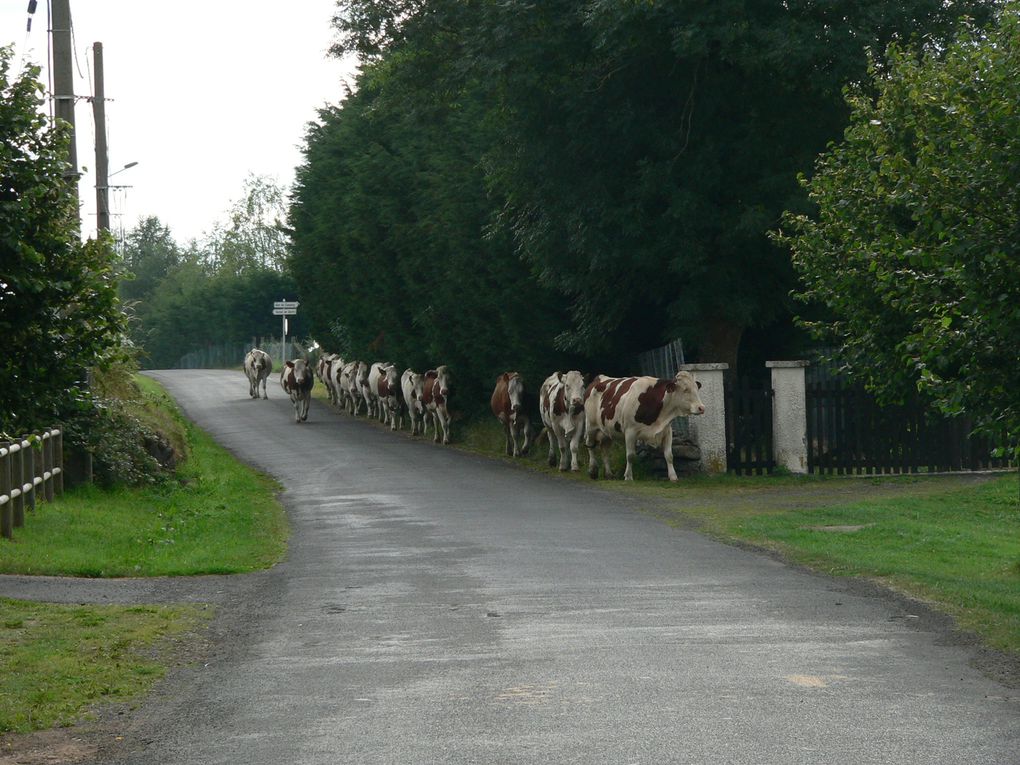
[(255, 237), (150, 253), (59, 313), (915, 244)]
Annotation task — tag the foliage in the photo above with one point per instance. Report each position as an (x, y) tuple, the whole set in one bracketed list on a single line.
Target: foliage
[(634, 154), (59, 313), (215, 291), (391, 249), (914, 247)]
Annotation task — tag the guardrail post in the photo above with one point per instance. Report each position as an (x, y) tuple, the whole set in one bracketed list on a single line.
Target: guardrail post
[(789, 415), (28, 477), (58, 453), (709, 429), (6, 503)]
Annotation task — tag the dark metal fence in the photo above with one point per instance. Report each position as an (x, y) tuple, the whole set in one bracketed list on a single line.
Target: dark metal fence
[(849, 433), (749, 448)]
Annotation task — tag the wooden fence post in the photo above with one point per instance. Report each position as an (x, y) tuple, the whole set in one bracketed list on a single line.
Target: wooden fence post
[(58, 446), (6, 502), (18, 483), (48, 467), (28, 479)]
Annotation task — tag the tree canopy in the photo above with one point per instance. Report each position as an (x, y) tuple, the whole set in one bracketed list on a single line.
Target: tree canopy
[(915, 244), (531, 185)]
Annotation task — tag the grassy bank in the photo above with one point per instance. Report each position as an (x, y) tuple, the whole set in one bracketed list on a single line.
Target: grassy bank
[(57, 662), (217, 516)]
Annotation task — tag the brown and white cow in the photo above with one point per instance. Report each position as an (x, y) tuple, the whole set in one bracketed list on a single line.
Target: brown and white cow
[(412, 385), (639, 408), (509, 404), (257, 366), (561, 404), (384, 382), (435, 398), (365, 389), (324, 371), (297, 379)]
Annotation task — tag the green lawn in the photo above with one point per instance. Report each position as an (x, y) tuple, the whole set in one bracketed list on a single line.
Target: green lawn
[(57, 662), (218, 517)]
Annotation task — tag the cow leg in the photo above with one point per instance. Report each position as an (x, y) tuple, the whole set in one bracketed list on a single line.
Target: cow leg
[(593, 462), (630, 441), (306, 401), (446, 424), (561, 442), (265, 395), (666, 442), (605, 442), (507, 438), (527, 439), (575, 443), (552, 451)]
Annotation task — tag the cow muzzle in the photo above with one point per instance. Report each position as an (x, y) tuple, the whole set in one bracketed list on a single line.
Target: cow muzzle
[(576, 406)]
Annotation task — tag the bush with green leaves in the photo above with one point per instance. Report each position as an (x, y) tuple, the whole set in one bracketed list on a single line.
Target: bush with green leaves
[(59, 313), (915, 245)]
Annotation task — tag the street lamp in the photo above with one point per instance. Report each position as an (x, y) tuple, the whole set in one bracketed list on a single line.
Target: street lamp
[(128, 166)]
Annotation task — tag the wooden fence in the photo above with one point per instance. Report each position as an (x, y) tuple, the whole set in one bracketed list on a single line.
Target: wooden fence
[(749, 445), (24, 472)]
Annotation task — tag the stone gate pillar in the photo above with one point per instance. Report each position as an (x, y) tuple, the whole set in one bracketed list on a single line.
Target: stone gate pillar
[(789, 415), (709, 429)]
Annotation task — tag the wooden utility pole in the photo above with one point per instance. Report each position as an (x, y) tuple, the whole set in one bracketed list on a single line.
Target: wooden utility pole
[(102, 158), (63, 80)]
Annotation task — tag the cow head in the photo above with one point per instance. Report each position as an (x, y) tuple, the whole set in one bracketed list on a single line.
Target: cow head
[(687, 393), (515, 392), (442, 383), (573, 390)]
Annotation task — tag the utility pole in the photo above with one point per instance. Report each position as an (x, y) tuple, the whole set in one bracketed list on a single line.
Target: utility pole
[(102, 157), (63, 81)]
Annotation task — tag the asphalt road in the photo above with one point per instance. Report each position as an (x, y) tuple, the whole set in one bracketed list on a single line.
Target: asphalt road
[(438, 607)]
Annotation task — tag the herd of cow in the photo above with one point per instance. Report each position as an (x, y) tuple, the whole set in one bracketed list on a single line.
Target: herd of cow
[(571, 406)]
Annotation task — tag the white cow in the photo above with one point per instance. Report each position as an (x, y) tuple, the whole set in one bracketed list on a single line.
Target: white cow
[(335, 381), (641, 408), (384, 383), (561, 404), (297, 379), (257, 366), (412, 385)]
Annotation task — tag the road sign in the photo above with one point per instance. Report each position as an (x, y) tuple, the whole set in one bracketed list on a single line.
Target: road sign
[(286, 304), (284, 311)]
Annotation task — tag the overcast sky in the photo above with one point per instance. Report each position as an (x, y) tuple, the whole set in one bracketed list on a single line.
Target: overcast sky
[(199, 94)]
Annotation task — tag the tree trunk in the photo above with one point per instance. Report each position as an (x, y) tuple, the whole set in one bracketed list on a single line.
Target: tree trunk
[(721, 343)]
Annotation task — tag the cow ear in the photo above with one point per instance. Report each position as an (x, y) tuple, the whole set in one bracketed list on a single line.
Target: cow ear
[(698, 383), (559, 376)]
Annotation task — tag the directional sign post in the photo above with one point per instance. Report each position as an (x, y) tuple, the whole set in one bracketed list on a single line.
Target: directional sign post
[(283, 309)]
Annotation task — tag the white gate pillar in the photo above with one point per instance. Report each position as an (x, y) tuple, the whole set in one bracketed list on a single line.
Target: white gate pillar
[(709, 429), (789, 415)]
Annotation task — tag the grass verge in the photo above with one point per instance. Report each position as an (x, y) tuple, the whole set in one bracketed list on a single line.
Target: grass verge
[(217, 517), (57, 662)]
